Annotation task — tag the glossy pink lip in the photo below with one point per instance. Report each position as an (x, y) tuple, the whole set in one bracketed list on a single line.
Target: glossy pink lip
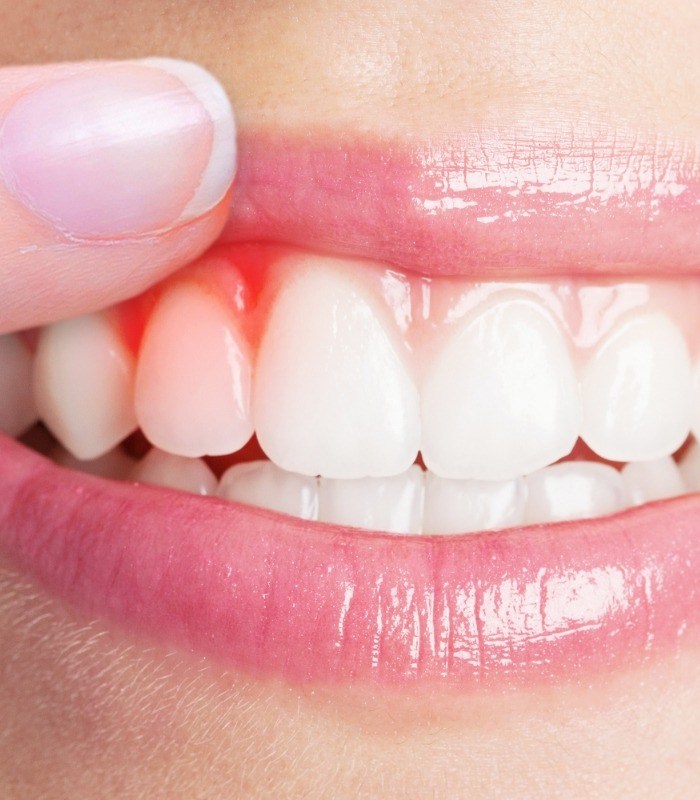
[(308, 602), (489, 203)]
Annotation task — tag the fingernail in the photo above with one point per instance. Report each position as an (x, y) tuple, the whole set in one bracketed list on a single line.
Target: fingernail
[(121, 149)]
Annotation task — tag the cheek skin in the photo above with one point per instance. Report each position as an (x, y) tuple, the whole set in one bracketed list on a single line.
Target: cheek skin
[(398, 67), (86, 709)]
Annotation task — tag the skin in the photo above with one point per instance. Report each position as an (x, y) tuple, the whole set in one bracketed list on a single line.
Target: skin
[(90, 713)]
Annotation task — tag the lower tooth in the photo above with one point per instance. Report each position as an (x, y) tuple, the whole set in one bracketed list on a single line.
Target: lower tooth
[(463, 506), (17, 411), (393, 504), (652, 480), (573, 490), (689, 466), (175, 472), (264, 484), (83, 385)]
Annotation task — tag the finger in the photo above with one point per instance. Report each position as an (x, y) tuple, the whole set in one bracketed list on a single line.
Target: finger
[(112, 174)]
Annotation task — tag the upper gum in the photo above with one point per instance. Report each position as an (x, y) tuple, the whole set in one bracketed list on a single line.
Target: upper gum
[(423, 308)]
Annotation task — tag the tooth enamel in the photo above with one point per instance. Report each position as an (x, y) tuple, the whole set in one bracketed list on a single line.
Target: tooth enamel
[(501, 399), (332, 395), (636, 391), (573, 490), (193, 377), (262, 483), (695, 399), (176, 472), (83, 385), (462, 506), (393, 504), (115, 465), (652, 480), (689, 466), (17, 410)]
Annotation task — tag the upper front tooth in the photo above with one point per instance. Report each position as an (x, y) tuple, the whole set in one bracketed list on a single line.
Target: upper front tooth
[(17, 410), (332, 394), (393, 504), (194, 376), (83, 385), (462, 506), (573, 490), (501, 399), (636, 391)]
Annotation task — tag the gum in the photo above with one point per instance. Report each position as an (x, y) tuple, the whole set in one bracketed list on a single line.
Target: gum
[(422, 309)]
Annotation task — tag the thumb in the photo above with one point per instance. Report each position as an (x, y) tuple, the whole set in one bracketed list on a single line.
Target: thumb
[(112, 174)]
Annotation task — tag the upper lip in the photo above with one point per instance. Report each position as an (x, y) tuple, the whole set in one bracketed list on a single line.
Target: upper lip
[(485, 203)]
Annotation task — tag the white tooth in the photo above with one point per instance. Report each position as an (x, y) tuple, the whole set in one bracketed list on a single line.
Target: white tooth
[(636, 391), (502, 397), (393, 504), (17, 410), (573, 490), (175, 472), (115, 464), (194, 375), (652, 480), (695, 400), (332, 394), (689, 466), (264, 484), (462, 506), (83, 385)]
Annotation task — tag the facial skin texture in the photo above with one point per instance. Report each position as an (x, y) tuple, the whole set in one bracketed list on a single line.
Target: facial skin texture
[(87, 713)]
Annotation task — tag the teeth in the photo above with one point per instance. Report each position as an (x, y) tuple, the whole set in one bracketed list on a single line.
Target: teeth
[(573, 490), (17, 410), (636, 391), (262, 483), (194, 376), (83, 385), (462, 506), (652, 480), (115, 465), (332, 395), (502, 398), (176, 472), (392, 504), (689, 466)]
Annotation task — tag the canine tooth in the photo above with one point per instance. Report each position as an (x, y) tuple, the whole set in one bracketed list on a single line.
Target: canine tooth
[(332, 394), (652, 480), (83, 385), (501, 399), (636, 391), (264, 484), (176, 472), (17, 409), (193, 376), (462, 506), (689, 466), (573, 490), (393, 504), (115, 464)]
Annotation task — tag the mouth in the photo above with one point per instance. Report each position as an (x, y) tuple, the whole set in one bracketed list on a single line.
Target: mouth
[(424, 414)]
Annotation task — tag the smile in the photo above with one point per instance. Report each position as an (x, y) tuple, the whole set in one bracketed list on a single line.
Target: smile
[(438, 403)]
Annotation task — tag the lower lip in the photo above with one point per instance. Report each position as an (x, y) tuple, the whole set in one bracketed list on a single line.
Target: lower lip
[(276, 596)]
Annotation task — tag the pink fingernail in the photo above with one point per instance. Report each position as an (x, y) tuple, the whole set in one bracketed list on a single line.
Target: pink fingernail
[(120, 149)]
